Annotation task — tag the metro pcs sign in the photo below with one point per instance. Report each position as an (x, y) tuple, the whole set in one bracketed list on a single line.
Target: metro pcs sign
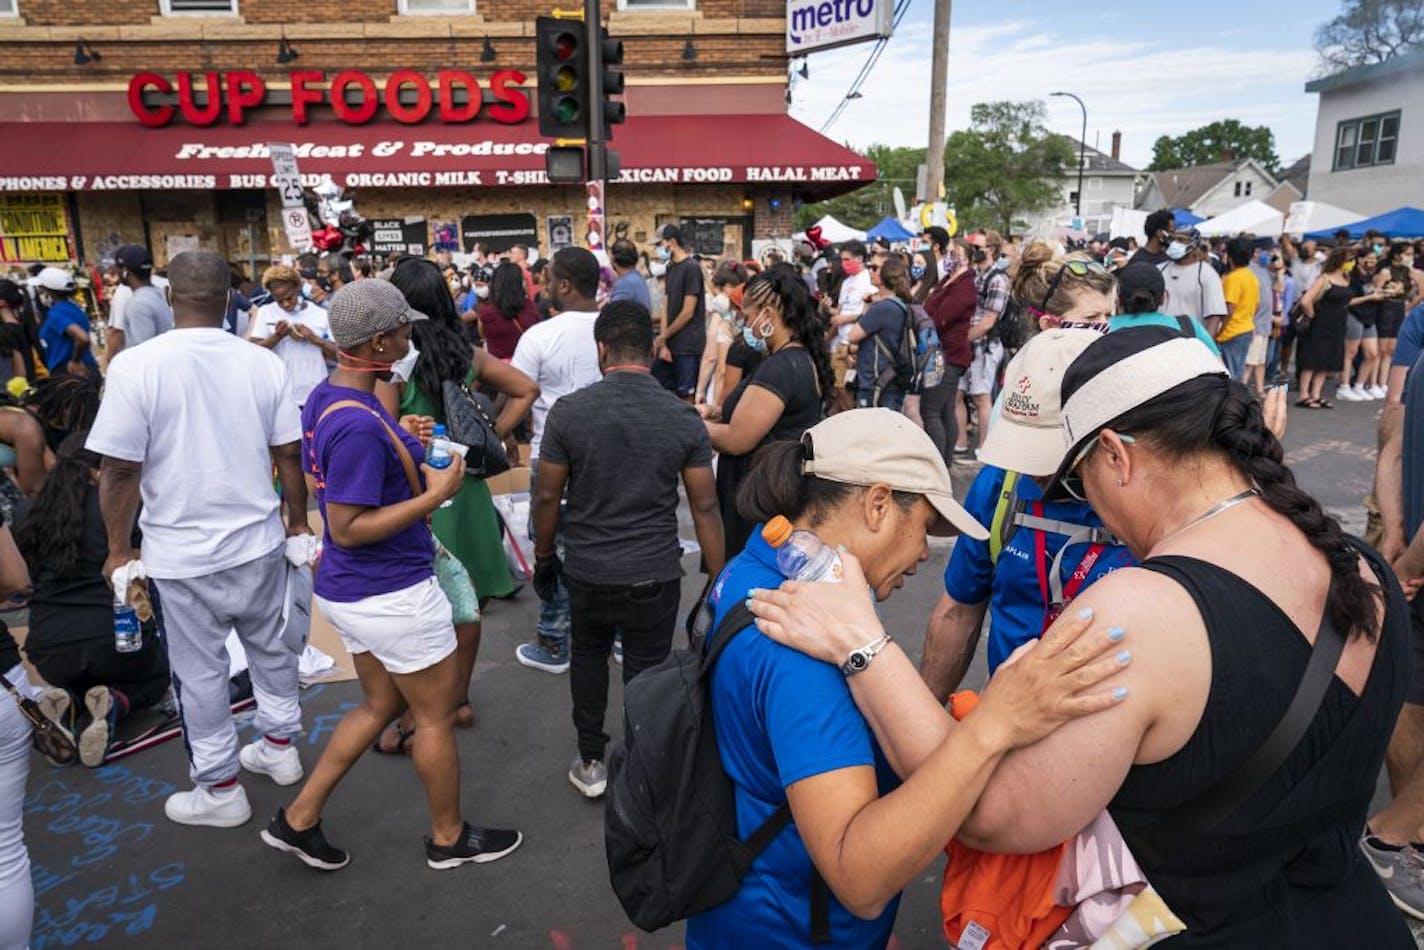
[(821, 24)]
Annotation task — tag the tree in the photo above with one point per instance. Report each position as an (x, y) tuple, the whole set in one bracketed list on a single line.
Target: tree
[(1210, 142), (1370, 31), (864, 207), (1004, 165)]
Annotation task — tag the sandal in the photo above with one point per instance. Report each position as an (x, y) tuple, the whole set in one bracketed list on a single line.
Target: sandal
[(402, 743), (464, 715), (1324, 404), (1305, 402)]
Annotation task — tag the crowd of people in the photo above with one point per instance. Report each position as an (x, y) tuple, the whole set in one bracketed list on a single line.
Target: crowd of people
[(1117, 407)]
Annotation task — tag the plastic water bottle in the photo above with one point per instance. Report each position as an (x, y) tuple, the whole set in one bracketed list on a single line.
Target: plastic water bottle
[(128, 633), (438, 454), (800, 555)]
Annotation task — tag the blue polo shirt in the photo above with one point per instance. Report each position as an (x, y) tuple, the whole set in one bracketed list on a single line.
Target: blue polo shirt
[(58, 346), (631, 286), (1016, 603), (781, 717)]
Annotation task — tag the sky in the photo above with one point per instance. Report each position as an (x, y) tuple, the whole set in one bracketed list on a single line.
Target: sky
[(1145, 69)]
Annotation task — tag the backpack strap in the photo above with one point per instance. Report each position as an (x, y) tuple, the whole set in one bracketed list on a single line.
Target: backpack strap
[(734, 622), (402, 453), (1077, 533), (1001, 525), (1185, 324)]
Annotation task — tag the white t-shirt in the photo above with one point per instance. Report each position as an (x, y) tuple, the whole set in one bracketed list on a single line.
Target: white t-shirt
[(118, 303), (199, 408), (1193, 290), (1305, 273), (306, 364), (852, 302), (559, 354)]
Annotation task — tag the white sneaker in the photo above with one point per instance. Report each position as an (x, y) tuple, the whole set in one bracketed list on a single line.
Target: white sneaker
[(225, 808), (590, 777), (1348, 394), (1378, 392), (281, 763)]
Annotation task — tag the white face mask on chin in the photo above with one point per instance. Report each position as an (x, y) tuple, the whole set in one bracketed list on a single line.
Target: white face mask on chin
[(657, 269), (402, 368)]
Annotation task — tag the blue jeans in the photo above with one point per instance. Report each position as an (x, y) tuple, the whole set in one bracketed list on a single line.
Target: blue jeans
[(1233, 354), (892, 399), (553, 623)]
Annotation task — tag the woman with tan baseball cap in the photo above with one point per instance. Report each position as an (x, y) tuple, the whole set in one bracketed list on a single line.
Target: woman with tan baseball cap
[(872, 484)]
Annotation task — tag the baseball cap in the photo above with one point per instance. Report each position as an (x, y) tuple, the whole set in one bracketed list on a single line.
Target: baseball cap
[(135, 257), (1139, 276), (1026, 436), (874, 446), (1116, 374), (364, 308), (55, 278)]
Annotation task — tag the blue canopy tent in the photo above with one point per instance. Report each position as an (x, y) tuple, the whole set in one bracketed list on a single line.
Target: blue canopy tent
[(890, 230), (1399, 223), (1185, 218)]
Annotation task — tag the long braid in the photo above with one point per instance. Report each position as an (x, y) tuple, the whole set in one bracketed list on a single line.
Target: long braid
[(1240, 429), (799, 313)]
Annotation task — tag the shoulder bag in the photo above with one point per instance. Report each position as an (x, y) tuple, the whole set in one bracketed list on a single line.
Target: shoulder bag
[(50, 740), (469, 420)]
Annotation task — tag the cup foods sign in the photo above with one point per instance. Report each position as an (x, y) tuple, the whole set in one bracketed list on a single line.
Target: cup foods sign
[(821, 24)]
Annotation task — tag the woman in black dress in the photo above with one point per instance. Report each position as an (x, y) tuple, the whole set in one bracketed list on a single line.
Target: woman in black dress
[(1321, 350), (1397, 280), (785, 395)]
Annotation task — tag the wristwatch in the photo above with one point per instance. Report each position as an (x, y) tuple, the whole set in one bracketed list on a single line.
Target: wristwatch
[(860, 659)]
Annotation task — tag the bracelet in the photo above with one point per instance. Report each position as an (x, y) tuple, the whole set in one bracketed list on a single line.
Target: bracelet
[(860, 659)]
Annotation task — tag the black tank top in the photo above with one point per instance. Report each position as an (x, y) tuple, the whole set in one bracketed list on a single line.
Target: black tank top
[(1285, 869)]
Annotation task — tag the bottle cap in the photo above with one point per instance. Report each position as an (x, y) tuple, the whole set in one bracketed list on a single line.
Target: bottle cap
[(777, 531), (439, 431)]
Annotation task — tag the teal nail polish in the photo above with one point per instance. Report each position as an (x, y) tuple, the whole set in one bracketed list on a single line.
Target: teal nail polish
[(1119, 694), (1124, 657), (1085, 614), (749, 603), (1116, 634)]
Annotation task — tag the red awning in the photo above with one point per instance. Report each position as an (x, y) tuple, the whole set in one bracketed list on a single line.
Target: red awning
[(701, 149)]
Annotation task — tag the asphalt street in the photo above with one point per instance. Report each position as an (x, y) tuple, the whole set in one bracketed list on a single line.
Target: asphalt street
[(108, 866)]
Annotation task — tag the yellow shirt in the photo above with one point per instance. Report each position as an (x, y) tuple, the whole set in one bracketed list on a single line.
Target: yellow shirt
[(1243, 295)]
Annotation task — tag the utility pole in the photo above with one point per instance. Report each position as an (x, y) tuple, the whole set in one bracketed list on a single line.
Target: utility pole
[(939, 80)]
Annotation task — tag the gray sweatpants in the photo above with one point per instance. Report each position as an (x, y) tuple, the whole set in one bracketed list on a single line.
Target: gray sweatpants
[(17, 895), (198, 613)]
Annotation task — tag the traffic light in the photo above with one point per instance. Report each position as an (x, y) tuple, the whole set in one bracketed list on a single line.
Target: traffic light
[(611, 57), (562, 62)]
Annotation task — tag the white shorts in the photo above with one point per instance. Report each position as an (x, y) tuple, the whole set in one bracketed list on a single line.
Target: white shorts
[(1260, 346), (979, 378), (406, 630)]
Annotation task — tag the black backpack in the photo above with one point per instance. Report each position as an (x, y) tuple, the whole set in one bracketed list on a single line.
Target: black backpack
[(670, 824)]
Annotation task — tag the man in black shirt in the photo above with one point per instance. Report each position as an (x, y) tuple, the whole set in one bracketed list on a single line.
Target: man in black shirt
[(620, 445), (1160, 227), (679, 346)]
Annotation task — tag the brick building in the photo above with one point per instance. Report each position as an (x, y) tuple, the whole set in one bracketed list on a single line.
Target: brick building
[(146, 121)]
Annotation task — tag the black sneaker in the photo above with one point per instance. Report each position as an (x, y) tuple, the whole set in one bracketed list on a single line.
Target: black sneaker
[(475, 846), (309, 846)]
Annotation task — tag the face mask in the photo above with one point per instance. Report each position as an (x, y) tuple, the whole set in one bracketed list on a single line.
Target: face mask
[(402, 368), (721, 304), (482, 292), (1265, 260), (917, 272), (1097, 326), (657, 268), (852, 267), (1320, 257), (757, 344), (663, 252), (1347, 267), (980, 255), (306, 290), (1176, 251), (1379, 248), (1002, 263)]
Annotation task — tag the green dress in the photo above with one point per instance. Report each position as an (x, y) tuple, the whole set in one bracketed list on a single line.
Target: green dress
[(469, 527)]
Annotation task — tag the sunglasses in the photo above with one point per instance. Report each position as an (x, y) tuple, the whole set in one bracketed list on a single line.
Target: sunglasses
[(1073, 482), (1077, 269)]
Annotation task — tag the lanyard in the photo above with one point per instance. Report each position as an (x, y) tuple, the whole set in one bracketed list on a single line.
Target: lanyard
[(1052, 606)]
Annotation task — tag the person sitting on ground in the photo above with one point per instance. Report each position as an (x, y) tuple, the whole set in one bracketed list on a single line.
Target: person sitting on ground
[(872, 484), (1142, 297), (71, 638), (1177, 460), (376, 583)]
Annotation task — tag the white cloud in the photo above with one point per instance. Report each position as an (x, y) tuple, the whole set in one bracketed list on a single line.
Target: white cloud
[(1142, 88)]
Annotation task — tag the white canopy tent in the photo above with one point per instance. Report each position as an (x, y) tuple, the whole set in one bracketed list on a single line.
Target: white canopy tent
[(836, 232), (1257, 217), (1317, 216)]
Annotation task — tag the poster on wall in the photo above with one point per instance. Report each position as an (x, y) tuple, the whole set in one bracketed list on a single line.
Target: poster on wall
[(399, 236), (705, 237), (498, 232), (561, 232), (33, 227), (445, 236)]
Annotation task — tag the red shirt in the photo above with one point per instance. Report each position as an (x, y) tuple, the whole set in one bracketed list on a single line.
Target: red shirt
[(952, 306), (502, 334)]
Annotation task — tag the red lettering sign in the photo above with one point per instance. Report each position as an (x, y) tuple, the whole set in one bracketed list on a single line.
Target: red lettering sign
[(352, 94)]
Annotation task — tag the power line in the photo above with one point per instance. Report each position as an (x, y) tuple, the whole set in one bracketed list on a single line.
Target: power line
[(854, 91)]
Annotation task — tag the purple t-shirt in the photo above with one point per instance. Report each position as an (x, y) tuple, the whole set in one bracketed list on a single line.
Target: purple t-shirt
[(351, 457)]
